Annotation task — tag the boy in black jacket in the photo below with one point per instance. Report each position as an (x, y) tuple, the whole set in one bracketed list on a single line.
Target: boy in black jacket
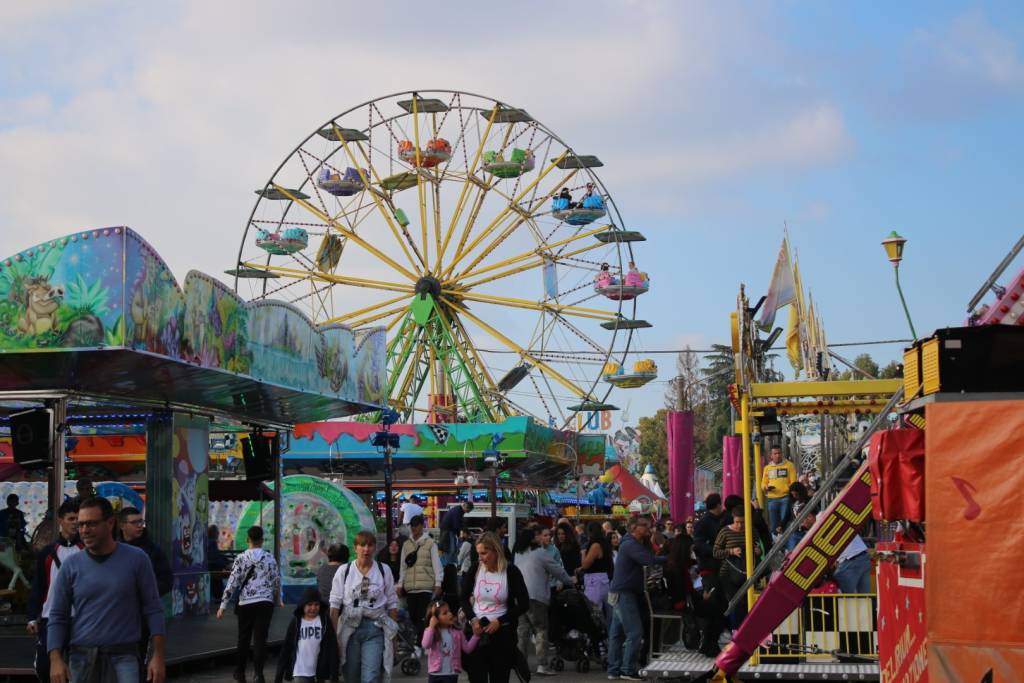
[(310, 650)]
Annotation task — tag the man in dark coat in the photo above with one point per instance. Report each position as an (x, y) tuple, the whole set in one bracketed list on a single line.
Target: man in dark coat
[(133, 531)]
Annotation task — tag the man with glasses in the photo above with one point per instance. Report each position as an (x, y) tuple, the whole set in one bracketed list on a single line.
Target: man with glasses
[(101, 597), (133, 532), (48, 563)]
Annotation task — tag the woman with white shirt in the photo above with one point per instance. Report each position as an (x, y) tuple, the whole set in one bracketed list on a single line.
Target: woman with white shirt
[(364, 606), (494, 595)]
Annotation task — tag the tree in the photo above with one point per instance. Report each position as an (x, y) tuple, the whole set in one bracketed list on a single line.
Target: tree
[(688, 389), (893, 370), (654, 445), (866, 363), (719, 374)]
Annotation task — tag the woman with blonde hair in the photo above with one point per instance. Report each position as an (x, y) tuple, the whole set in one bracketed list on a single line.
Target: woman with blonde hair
[(494, 596)]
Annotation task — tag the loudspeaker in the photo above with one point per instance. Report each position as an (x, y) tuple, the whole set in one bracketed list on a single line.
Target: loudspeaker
[(260, 452), (32, 437)]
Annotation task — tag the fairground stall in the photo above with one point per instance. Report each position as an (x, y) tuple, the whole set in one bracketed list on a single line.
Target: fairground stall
[(103, 354)]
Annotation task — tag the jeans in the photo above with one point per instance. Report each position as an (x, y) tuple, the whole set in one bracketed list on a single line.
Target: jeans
[(450, 550), (628, 626), (535, 621), (778, 512), (364, 653), (126, 666), (253, 623), (854, 575)]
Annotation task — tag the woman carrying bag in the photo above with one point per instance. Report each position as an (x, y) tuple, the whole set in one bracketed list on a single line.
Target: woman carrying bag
[(494, 596), (364, 606)]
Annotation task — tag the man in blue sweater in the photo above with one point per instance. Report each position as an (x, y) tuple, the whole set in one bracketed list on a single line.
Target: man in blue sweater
[(625, 595), (100, 599)]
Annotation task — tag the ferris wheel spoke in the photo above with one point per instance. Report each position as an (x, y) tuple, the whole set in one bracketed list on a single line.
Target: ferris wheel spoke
[(345, 231), (367, 309), (592, 313), (419, 176), (539, 364), (522, 268), (581, 334), (511, 208), (366, 320), (532, 254), (332, 278), (518, 216), (376, 199)]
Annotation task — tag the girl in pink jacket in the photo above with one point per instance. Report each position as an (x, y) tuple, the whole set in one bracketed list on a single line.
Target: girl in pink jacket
[(445, 644)]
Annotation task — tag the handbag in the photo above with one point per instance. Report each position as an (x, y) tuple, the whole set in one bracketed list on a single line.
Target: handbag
[(238, 594)]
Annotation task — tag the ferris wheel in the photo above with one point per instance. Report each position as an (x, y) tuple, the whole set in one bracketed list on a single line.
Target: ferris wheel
[(488, 248)]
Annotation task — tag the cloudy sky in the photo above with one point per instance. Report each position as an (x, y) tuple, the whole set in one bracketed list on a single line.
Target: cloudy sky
[(718, 123)]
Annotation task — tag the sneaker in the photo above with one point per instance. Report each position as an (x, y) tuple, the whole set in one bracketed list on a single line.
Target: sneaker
[(630, 677), (545, 671), (613, 677)]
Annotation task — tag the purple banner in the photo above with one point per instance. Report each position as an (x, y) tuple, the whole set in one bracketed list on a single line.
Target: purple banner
[(679, 429), (732, 466)]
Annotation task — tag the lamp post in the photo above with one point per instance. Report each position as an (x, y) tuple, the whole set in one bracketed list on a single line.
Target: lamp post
[(389, 443), (893, 244)]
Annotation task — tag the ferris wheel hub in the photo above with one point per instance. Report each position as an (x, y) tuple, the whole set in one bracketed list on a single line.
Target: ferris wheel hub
[(428, 284)]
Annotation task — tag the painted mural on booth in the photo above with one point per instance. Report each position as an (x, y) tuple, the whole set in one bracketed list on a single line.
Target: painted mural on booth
[(316, 514), (109, 288), (191, 501), (66, 293)]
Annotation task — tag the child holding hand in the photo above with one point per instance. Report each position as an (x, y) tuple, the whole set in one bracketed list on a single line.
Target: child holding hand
[(445, 644)]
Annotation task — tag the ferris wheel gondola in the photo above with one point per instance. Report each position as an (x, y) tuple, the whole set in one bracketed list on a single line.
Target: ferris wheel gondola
[(435, 220)]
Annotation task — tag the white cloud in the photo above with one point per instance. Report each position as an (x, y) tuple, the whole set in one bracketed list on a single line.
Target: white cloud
[(167, 123)]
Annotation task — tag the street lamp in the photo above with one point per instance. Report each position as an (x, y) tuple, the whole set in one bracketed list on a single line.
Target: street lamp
[(893, 244), (388, 443)]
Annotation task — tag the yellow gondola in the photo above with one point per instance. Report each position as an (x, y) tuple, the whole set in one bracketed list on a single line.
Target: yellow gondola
[(643, 372)]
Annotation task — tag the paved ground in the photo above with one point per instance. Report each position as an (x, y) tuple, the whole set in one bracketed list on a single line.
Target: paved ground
[(222, 672)]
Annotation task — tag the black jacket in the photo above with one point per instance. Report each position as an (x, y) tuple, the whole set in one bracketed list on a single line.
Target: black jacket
[(41, 586), (518, 596), (453, 520), (327, 660), (705, 531), (161, 567)]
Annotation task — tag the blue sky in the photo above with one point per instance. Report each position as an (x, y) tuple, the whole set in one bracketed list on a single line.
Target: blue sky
[(718, 123)]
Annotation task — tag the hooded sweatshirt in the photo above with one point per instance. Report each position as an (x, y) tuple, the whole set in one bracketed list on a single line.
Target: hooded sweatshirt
[(302, 635)]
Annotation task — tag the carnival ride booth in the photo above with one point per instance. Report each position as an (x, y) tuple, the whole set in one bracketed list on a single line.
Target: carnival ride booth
[(630, 286), (643, 372), (584, 212), (520, 161), (341, 184), (441, 460), (282, 242), (124, 375), (436, 151)]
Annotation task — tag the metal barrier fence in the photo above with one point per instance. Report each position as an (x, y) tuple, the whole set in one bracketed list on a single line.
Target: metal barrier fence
[(828, 627)]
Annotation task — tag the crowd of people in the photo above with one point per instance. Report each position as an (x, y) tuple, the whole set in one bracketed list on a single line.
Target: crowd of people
[(477, 601)]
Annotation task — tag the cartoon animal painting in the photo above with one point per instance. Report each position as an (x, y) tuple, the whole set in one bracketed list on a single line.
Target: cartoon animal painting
[(41, 302)]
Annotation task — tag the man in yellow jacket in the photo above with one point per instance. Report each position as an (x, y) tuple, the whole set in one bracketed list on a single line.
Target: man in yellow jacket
[(775, 480)]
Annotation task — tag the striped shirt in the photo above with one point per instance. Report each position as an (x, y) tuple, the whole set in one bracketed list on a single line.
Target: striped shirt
[(727, 540)]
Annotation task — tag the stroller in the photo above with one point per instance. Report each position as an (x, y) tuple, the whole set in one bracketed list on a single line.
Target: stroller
[(405, 645), (577, 630)]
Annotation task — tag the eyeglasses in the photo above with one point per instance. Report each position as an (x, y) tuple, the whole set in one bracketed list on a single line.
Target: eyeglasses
[(90, 524)]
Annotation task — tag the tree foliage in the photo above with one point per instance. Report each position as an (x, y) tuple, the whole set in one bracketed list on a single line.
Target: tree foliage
[(654, 445)]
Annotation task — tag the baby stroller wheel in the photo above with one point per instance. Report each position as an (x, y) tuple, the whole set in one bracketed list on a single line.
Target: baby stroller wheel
[(410, 666), (583, 666), (557, 663)]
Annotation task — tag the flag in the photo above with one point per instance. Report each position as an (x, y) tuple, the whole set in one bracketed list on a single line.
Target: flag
[(793, 341), (781, 290)]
